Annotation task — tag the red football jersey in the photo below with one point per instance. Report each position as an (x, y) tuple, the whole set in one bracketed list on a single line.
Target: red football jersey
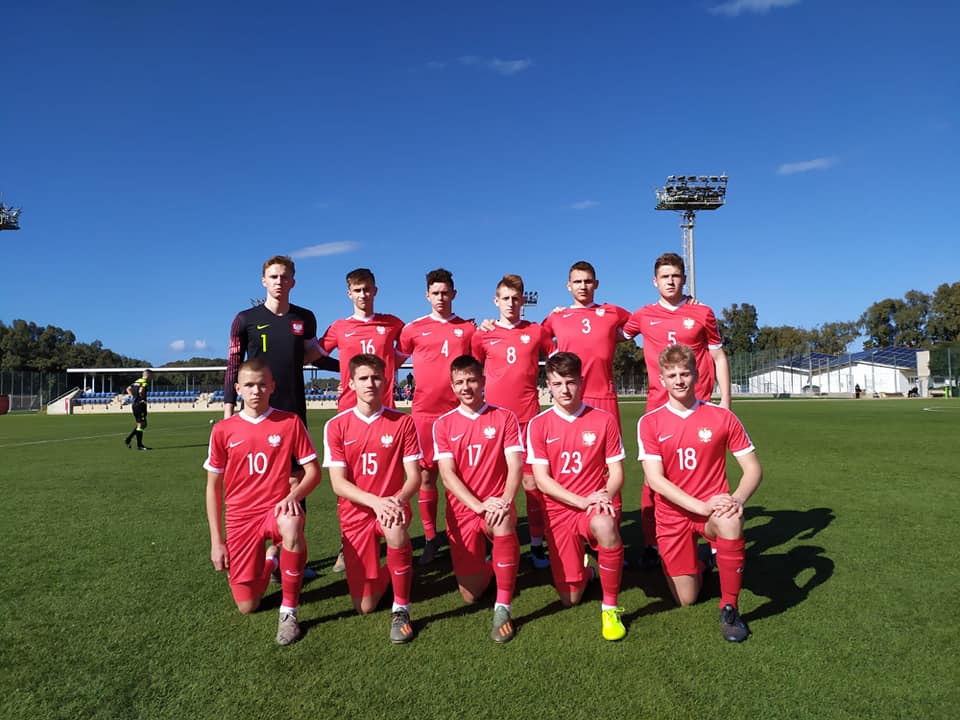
[(693, 446), (685, 324), (373, 449), (511, 362), (377, 335), (478, 444), (253, 454), (577, 448), (591, 333), (433, 344)]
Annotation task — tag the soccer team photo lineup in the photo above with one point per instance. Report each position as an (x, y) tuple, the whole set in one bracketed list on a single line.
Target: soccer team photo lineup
[(477, 429)]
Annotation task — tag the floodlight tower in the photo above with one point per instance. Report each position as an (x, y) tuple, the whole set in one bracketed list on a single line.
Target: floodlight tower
[(687, 194), (9, 217)]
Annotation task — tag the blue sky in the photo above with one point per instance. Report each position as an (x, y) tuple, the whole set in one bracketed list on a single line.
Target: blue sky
[(162, 151)]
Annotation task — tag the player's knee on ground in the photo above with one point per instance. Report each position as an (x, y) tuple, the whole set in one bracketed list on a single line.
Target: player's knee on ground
[(685, 589), (367, 604), (472, 587)]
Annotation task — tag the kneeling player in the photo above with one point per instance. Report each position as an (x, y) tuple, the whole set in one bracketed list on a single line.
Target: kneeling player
[(683, 447), (248, 468), (477, 448), (373, 456), (577, 458)]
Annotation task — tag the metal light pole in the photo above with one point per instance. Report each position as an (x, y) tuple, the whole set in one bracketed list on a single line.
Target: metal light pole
[(687, 194)]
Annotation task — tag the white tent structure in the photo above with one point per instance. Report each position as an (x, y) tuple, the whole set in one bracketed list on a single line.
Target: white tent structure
[(889, 370)]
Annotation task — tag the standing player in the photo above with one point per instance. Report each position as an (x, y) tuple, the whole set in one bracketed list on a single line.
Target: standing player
[(372, 453), (433, 341), (510, 351), (477, 447), (577, 457), (248, 469), (137, 390), (673, 319), (591, 331), (283, 334), (366, 332), (683, 446)]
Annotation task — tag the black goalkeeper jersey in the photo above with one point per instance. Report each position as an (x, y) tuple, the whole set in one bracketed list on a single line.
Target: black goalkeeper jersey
[(279, 340)]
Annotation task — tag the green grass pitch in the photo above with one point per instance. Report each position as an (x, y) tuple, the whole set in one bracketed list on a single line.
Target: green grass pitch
[(110, 608)]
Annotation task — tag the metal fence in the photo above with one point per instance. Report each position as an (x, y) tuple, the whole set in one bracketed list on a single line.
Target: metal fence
[(30, 389)]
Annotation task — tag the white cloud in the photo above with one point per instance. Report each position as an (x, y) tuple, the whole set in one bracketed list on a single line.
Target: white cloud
[(333, 248), (497, 65), (584, 205), (509, 67), (178, 345), (806, 166), (199, 344), (732, 8)]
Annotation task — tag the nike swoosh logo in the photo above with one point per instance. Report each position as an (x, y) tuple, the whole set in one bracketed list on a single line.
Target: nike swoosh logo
[(454, 438), (566, 315), (428, 332), (401, 572), (349, 442), (500, 564), (494, 342), (346, 335), (661, 438), (552, 440), (656, 322), (291, 573), (261, 327), (604, 567), (233, 445)]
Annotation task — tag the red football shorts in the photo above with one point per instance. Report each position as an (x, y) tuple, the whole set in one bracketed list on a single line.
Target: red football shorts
[(677, 541), (605, 403), (467, 536), (568, 532), (361, 552), (245, 549), (424, 425)]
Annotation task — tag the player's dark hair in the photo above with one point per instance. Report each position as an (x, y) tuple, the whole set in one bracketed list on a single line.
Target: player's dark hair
[(257, 364), (284, 260), (514, 282), (564, 364), (585, 267), (360, 276), (671, 259), (466, 363), (677, 355), (367, 360), (440, 275)]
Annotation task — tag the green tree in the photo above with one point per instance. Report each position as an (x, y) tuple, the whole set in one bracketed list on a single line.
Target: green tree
[(738, 328), (834, 337), (878, 325), (785, 338), (910, 320), (943, 321)]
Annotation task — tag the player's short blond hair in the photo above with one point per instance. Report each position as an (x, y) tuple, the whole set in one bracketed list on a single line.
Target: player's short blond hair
[(674, 355), (284, 260)]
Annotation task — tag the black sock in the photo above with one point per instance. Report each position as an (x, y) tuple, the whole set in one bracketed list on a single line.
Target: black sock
[(130, 437), (139, 437)]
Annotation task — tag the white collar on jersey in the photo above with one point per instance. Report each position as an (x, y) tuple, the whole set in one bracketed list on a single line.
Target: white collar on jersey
[(368, 318), (367, 420), (664, 304), (684, 413), (470, 414), (452, 316), (562, 414), (258, 419)]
